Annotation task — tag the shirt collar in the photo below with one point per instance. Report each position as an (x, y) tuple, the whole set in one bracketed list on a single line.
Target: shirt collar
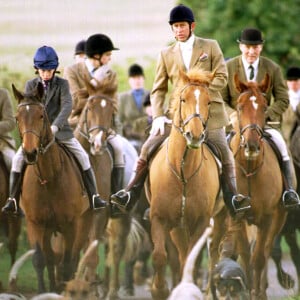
[(188, 44), (246, 64)]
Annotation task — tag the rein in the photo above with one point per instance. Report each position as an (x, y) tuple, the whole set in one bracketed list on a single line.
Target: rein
[(181, 129)]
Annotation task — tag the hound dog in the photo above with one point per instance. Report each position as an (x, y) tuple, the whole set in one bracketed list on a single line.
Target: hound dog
[(187, 289)]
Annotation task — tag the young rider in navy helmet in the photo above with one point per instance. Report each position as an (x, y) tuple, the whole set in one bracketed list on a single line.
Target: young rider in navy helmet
[(58, 105)]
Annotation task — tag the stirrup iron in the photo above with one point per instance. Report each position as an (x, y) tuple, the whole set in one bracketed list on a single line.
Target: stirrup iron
[(291, 205), (236, 199), (122, 207)]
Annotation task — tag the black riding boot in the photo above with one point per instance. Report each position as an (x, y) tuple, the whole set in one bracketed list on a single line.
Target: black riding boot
[(12, 203), (235, 202), (117, 179), (290, 198), (126, 199), (91, 188)]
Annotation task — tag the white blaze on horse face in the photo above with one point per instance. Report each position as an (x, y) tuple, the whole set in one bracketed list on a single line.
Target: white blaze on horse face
[(27, 107), (253, 100), (103, 103), (98, 141), (197, 96)]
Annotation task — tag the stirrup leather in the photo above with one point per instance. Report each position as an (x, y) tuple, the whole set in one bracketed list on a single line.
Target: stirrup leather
[(122, 207), (236, 199), (295, 194)]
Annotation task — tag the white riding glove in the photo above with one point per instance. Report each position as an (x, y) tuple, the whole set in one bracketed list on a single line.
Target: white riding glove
[(158, 125), (54, 129)]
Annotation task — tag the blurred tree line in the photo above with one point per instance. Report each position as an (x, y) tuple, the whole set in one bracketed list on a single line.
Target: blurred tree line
[(224, 20)]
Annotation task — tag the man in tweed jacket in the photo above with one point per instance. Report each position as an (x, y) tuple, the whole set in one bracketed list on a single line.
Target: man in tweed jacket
[(251, 45), (188, 52)]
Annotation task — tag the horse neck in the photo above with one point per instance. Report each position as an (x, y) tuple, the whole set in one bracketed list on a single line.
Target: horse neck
[(50, 162)]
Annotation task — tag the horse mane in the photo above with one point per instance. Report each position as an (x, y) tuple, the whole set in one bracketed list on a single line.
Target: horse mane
[(193, 76)]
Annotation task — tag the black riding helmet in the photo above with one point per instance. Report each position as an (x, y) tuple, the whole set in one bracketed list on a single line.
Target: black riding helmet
[(181, 13), (98, 44)]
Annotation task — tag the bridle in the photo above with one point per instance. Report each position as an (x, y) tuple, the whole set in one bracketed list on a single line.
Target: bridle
[(86, 132), (253, 126), (184, 122), (43, 144)]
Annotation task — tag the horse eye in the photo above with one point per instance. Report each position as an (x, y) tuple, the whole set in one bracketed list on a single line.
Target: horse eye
[(182, 100)]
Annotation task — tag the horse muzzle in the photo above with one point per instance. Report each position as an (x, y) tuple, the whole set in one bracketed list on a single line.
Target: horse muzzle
[(192, 142), (31, 157)]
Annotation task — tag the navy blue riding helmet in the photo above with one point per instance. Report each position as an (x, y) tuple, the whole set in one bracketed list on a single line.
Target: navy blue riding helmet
[(45, 58)]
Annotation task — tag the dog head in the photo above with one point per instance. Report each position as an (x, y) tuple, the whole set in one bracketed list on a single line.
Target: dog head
[(229, 280)]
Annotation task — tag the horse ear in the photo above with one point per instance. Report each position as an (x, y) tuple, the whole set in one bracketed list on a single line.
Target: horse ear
[(265, 83), (239, 85), (40, 90), (18, 95)]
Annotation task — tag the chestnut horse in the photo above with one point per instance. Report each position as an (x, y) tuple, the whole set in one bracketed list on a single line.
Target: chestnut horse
[(10, 225), (183, 182), (52, 191), (92, 132), (259, 177)]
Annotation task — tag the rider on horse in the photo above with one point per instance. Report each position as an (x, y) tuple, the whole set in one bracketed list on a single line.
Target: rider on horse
[(188, 52), (58, 104), (95, 68), (251, 45)]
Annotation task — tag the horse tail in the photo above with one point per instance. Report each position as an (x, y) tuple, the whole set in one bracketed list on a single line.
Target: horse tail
[(191, 259), (81, 265), (135, 240), (16, 267)]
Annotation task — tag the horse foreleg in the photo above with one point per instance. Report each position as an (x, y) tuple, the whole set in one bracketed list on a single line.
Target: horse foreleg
[(14, 230), (159, 288), (38, 263), (259, 261), (285, 279), (173, 260), (291, 239)]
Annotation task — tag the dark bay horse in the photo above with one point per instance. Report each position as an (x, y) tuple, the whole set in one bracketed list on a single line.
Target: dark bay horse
[(52, 197), (10, 225), (291, 227), (183, 182), (258, 176)]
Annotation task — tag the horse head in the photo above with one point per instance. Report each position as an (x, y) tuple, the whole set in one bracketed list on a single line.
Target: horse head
[(251, 109), (97, 114), (191, 107), (33, 124)]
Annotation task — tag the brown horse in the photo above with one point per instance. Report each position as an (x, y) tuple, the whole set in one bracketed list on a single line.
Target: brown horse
[(258, 176), (92, 132), (10, 225), (183, 178), (52, 191)]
